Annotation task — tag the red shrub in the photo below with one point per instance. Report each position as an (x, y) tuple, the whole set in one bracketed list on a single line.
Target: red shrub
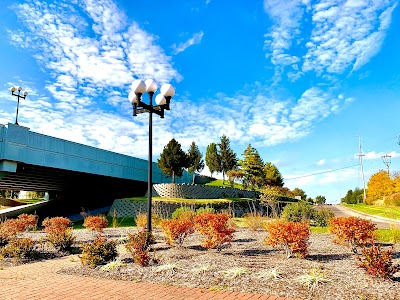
[(176, 230), (59, 232), (138, 246), (96, 223), (215, 228), (291, 236), (28, 221), (378, 262), (352, 231)]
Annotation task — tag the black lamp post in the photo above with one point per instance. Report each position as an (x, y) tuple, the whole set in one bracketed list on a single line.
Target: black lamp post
[(163, 99), (18, 96)]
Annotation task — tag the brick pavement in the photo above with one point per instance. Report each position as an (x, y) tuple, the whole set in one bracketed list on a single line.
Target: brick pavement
[(39, 281)]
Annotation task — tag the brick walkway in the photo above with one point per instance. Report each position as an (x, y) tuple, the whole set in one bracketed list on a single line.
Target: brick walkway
[(40, 281)]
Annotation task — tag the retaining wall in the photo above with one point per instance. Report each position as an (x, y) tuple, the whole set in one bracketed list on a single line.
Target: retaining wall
[(194, 191)]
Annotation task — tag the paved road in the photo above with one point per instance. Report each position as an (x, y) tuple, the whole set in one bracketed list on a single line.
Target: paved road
[(341, 211)]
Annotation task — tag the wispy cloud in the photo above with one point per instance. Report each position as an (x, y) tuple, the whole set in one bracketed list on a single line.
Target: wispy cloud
[(344, 35), (321, 162), (194, 40)]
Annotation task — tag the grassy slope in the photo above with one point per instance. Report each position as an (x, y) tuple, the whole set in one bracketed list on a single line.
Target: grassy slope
[(382, 211), (218, 182)]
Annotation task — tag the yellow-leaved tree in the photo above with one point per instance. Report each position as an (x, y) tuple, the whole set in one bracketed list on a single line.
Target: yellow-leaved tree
[(380, 185)]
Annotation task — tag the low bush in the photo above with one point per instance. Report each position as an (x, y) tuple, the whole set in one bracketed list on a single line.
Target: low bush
[(141, 220), (183, 213), (59, 233), (215, 228), (393, 200), (98, 252), (205, 209), (138, 246), (19, 248), (322, 216), (176, 230), (297, 212), (352, 232), (96, 223), (291, 236), (11, 227), (254, 220), (377, 262)]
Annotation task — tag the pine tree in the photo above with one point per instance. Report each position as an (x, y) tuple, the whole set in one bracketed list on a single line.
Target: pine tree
[(253, 167), (272, 175), (213, 160), (173, 160), (195, 160), (228, 157)]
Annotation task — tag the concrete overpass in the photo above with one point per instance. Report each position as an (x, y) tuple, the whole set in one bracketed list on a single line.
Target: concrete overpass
[(75, 175)]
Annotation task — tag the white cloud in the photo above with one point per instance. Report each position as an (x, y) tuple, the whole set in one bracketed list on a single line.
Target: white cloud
[(321, 162), (194, 40), (378, 155), (345, 35)]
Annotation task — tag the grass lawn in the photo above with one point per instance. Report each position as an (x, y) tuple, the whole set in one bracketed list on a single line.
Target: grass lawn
[(218, 182), (383, 211)]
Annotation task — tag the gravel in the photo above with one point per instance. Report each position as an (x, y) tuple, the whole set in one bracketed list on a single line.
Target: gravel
[(248, 265)]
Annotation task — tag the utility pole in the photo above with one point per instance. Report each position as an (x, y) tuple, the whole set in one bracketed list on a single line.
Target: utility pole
[(360, 155), (386, 161)]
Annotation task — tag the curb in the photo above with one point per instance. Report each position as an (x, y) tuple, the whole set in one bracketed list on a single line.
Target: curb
[(396, 221)]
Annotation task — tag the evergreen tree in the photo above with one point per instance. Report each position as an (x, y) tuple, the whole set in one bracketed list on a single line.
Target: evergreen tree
[(195, 160), (272, 175), (173, 160), (353, 197), (253, 167), (228, 158), (213, 160)]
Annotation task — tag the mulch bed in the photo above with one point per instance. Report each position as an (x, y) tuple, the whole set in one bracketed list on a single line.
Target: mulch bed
[(248, 265)]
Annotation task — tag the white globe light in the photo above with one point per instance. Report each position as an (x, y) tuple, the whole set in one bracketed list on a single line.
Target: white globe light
[(160, 100), (20, 89), (132, 97), (12, 89), (25, 94), (167, 90), (151, 85), (138, 86)]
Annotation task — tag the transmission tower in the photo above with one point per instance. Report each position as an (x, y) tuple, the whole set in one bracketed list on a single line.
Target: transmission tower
[(360, 156), (387, 161)]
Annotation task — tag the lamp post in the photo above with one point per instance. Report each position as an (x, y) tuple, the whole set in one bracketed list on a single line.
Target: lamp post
[(163, 99), (18, 96)]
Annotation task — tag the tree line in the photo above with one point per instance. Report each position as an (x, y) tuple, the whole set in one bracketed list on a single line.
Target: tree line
[(251, 171)]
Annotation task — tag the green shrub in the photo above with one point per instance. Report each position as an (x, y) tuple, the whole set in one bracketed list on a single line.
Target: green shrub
[(297, 212), (19, 248), (206, 209), (322, 216), (183, 213), (98, 252)]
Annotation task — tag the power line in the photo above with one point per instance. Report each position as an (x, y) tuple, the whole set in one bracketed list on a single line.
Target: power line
[(322, 172)]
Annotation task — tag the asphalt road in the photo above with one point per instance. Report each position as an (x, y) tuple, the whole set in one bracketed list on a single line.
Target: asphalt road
[(341, 211)]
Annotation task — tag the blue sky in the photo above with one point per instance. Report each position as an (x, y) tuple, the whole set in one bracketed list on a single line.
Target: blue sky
[(298, 80)]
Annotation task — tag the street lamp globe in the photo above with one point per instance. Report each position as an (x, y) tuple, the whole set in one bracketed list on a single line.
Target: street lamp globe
[(138, 86), (151, 85)]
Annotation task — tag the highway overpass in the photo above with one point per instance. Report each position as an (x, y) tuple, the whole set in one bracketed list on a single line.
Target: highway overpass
[(75, 176)]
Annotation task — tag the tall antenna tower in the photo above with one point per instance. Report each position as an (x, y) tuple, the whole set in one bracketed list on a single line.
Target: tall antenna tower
[(387, 161), (360, 156)]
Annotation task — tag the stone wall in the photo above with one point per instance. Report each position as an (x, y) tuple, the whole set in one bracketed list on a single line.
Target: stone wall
[(164, 209), (195, 191)]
